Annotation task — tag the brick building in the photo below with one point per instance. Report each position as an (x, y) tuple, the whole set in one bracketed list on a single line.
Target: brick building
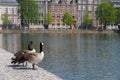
[(59, 8), (87, 6), (43, 9)]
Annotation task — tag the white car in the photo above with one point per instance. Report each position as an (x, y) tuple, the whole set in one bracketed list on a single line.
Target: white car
[(115, 27), (110, 27)]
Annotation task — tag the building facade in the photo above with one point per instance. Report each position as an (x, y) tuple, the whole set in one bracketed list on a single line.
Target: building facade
[(11, 8), (0, 17), (43, 10), (59, 7), (77, 8), (87, 6), (116, 3)]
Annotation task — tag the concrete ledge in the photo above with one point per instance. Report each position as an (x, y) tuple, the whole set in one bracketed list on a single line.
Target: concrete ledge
[(55, 31), (10, 72)]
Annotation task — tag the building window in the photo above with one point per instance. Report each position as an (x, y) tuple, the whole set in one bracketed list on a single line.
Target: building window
[(58, 17), (41, 14), (53, 7), (9, 10), (3, 11), (95, 2), (89, 8), (84, 7), (79, 7), (15, 11), (15, 20), (79, 2), (84, 2), (90, 1)]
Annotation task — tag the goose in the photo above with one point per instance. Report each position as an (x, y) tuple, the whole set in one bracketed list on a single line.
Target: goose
[(34, 58), (19, 54)]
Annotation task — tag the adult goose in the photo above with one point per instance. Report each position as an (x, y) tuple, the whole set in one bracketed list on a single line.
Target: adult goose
[(19, 54), (34, 58)]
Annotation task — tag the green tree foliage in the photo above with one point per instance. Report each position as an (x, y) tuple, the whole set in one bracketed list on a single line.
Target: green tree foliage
[(118, 15), (28, 10), (68, 19), (106, 13), (87, 20), (5, 20), (48, 19)]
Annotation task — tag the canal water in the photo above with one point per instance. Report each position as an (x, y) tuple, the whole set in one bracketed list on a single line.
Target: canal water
[(73, 56)]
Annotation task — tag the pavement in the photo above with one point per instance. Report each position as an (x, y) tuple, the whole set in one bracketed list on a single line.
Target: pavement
[(15, 72)]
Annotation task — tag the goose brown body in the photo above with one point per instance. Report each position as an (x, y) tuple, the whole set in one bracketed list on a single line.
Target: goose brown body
[(17, 56), (34, 58)]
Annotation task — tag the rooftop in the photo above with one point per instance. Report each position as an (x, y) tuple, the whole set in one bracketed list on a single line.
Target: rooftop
[(8, 2)]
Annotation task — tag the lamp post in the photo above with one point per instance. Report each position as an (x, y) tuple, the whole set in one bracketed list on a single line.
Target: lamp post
[(46, 12), (46, 6), (0, 17)]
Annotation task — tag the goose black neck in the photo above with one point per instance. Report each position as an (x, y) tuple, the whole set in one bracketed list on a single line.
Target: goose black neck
[(30, 46), (41, 48)]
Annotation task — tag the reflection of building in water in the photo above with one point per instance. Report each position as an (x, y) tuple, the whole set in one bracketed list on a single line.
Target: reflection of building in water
[(12, 42)]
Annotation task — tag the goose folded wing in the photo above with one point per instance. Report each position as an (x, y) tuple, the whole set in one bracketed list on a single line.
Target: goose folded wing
[(30, 56), (21, 52)]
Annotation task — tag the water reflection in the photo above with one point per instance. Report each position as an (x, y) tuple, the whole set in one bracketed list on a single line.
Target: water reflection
[(73, 56), (10, 42)]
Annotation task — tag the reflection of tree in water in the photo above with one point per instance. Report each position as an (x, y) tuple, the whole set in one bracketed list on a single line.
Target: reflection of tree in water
[(103, 48), (105, 36)]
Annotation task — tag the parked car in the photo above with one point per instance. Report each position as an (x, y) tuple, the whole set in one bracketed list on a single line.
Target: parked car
[(112, 27), (109, 27), (115, 27)]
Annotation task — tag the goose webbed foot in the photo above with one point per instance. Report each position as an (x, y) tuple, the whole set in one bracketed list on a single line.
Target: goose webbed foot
[(33, 65), (23, 64), (26, 64)]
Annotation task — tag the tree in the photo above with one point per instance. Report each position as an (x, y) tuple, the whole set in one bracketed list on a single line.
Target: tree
[(28, 10), (106, 13), (6, 21), (68, 19), (118, 15), (48, 19), (87, 20)]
